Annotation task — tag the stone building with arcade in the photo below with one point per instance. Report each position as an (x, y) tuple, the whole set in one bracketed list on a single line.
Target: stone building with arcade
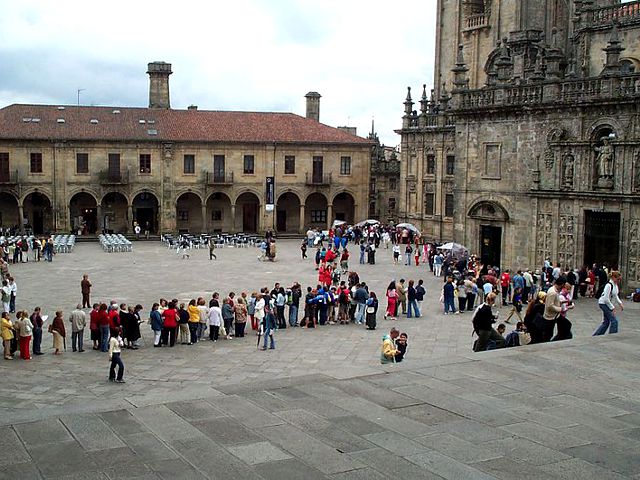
[(528, 146), (65, 168)]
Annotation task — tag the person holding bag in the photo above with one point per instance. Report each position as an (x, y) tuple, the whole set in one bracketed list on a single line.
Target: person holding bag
[(59, 333)]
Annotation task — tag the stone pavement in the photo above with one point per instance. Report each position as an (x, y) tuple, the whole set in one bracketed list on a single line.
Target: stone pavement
[(320, 405)]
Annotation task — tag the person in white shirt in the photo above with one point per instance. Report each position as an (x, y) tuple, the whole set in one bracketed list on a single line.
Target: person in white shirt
[(611, 291), (115, 350), (215, 320)]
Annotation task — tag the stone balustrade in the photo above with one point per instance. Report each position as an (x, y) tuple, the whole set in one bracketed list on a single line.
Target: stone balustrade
[(622, 13)]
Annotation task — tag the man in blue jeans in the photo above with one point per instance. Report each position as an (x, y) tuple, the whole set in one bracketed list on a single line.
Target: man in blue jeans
[(269, 328), (412, 301), (296, 293), (360, 296), (611, 291)]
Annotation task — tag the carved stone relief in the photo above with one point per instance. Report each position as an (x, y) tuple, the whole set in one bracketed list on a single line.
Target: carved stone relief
[(568, 172), (549, 159), (634, 251), (566, 237), (544, 226)]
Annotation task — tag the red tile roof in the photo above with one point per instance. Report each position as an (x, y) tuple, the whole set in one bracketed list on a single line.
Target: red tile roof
[(145, 124)]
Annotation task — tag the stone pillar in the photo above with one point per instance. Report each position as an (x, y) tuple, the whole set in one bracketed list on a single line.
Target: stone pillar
[(21, 215), (302, 218), (329, 215), (130, 218), (100, 218), (204, 218), (233, 218)]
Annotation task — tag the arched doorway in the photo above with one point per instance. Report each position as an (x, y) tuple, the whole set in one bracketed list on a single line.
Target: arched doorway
[(189, 213), (490, 221), (248, 212), (38, 212), (145, 211), (344, 208), (9, 211), (316, 211), (114, 213), (83, 209), (288, 213), (219, 213)]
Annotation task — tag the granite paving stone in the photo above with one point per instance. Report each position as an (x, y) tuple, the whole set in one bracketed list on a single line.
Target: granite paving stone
[(321, 401)]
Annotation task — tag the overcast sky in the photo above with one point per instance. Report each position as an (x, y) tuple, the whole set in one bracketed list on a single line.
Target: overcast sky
[(260, 55)]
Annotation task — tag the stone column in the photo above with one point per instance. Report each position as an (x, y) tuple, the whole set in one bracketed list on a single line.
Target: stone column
[(21, 215), (100, 218), (302, 213), (329, 215), (130, 218), (204, 218), (233, 218)]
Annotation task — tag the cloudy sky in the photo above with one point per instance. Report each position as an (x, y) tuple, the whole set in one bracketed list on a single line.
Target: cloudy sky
[(262, 55)]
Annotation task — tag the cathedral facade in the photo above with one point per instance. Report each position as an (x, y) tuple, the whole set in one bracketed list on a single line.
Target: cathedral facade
[(528, 146)]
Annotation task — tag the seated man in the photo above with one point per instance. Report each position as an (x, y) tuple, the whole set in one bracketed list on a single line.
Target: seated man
[(401, 346)]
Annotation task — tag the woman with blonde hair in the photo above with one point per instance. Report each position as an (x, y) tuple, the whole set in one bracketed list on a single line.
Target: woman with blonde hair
[(7, 335), (240, 310)]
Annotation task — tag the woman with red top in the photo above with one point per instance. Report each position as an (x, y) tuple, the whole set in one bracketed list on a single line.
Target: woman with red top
[(392, 301), (102, 317), (94, 327), (114, 320), (169, 325)]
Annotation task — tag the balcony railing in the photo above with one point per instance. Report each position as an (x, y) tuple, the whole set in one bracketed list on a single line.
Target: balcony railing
[(114, 177), (9, 178), (623, 13), (219, 178), (478, 20), (318, 180)]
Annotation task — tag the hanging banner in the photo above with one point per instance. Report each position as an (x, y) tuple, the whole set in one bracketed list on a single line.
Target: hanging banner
[(270, 195)]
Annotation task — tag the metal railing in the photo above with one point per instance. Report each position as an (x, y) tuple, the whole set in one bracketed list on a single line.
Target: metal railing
[(318, 180), (114, 177), (219, 178)]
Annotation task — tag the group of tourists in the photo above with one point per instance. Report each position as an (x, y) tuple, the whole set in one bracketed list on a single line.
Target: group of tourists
[(20, 249)]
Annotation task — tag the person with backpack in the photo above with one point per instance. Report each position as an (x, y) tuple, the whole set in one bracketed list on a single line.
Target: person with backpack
[(343, 304), (611, 291)]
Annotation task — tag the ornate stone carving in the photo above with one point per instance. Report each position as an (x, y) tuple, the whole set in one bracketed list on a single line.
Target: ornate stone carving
[(633, 273), (636, 172), (556, 135), (549, 159), (167, 150), (568, 169), (544, 225), (411, 185), (605, 164), (566, 239), (429, 188)]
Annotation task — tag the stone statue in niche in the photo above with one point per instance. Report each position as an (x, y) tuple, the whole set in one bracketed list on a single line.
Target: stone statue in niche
[(604, 164), (636, 173), (567, 172)]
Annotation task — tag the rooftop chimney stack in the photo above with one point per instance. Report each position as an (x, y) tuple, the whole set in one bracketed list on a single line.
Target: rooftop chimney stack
[(313, 105), (159, 84)]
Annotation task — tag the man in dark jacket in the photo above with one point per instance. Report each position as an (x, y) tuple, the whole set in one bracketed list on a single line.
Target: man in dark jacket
[(483, 320)]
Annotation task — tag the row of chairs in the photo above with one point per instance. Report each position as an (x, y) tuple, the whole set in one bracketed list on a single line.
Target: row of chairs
[(64, 243), (115, 243), (220, 240)]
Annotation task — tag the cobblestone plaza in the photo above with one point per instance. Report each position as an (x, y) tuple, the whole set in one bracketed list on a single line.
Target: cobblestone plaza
[(320, 405)]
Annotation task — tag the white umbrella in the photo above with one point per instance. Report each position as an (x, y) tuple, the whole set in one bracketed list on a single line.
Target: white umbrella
[(409, 226), (337, 223), (367, 222), (455, 248)]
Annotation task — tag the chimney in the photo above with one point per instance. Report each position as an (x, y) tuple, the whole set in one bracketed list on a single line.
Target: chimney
[(159, 84), (313, 105)]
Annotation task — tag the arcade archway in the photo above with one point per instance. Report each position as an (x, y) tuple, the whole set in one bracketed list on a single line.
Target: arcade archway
[(38, 212), (248, 212), (219, 213), (145, 211), (189, 213), (83, 210), (114, 214), (288, 213), (344, 208), (9, 211)]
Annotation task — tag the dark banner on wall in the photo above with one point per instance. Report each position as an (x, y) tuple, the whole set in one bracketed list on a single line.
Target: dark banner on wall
[(271, 191)]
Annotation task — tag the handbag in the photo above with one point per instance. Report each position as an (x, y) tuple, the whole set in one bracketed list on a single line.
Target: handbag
[(223, 331), (371, 310)]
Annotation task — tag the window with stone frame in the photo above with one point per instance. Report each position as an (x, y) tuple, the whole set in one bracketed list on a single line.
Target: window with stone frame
[(448, 205), (36, 162), (82, 163), (393, 184), (216, 215), (183, 215), (318, 216), (429, 203), (189, 164), (248, 165), (450, 164), (145, 163), (289, 164), (392, 203), (345, 165), (431, 164)]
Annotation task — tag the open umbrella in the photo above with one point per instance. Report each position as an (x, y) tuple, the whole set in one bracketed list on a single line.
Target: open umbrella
[(409, 226), (369, 221), (337, 223), (456, 248)]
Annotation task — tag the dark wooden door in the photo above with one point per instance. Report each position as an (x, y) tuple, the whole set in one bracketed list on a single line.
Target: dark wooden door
[(114, 166), (4, 167), (318, 168), (490, 245)]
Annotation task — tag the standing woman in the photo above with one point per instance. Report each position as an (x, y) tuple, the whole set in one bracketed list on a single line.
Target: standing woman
[(228, 315), (611, 291), (156, 324), (241, 316), (194, 321), (115, 350), (94, 328), (183, 322), (259, 310), (25, 329), (7, 335), (371, 311), (392, 301), (36, 321), (280, 302), (251, 309), (169, 325), (59, 333)]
